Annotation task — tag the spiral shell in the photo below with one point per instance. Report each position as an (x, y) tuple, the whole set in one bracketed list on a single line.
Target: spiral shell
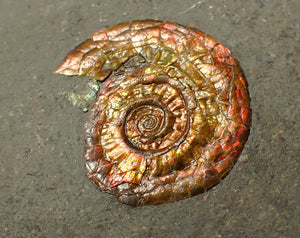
[(172, 115)]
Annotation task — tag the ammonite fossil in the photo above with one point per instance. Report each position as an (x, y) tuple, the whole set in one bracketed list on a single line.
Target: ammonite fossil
[(172, 113)]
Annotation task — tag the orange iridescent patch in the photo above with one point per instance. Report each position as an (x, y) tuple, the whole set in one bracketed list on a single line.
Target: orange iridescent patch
[(172, 114)]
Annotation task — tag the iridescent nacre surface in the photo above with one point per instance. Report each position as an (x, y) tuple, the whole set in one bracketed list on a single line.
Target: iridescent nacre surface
[(172, 114)]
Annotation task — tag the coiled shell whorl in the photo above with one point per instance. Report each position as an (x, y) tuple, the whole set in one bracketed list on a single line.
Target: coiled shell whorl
[(172, 114)]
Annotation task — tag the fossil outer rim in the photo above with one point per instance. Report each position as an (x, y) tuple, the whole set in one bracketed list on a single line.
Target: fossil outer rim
[(194, 76)]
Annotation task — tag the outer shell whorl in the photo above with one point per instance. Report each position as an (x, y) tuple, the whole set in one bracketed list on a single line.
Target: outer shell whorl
[(172, 114)]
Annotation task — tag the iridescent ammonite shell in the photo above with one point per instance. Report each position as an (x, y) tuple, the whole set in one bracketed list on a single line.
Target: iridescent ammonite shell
[(172, 114)]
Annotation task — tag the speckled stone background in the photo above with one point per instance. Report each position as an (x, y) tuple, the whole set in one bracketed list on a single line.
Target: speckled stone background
[(43, 187)]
